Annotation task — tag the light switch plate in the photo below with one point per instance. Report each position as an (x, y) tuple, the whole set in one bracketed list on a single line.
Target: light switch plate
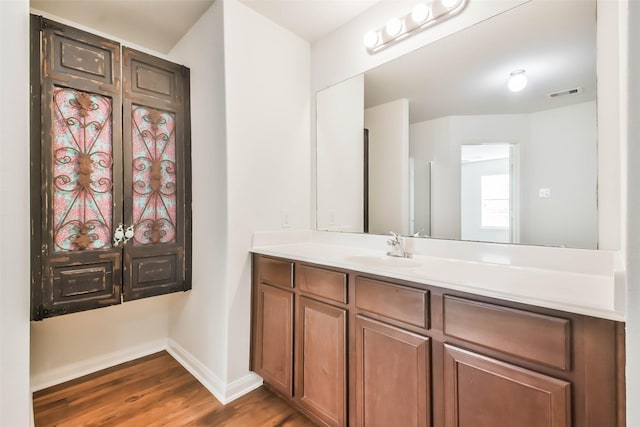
[(285, 218)]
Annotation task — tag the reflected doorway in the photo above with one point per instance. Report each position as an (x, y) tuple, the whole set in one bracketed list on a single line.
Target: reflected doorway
[(489, 196)]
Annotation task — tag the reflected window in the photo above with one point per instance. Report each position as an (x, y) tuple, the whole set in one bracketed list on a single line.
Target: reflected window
[(494, 195)]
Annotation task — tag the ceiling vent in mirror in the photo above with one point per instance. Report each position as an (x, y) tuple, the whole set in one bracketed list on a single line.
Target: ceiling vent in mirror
[(424, 15), (558, 94)]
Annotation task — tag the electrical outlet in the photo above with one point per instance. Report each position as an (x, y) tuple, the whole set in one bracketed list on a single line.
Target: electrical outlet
[(544, 193), (284, 217)]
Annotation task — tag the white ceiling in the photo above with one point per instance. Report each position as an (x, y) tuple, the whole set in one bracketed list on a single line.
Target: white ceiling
[(467, 72), (154, 24), (310, 19), (159, 24)]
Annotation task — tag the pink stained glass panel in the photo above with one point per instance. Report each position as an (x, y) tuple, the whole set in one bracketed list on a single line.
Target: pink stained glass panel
[(154, 176), (82, 156)]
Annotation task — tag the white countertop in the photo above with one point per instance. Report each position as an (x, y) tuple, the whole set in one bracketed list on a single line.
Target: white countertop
[(577, 281)]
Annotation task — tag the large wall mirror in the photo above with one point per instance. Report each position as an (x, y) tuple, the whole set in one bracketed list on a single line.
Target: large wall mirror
[(435, 144)]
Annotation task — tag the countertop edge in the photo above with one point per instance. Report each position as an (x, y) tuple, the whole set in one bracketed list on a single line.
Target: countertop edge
[(291, 251)]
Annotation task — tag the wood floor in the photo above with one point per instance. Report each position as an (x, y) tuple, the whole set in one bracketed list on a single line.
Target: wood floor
[(155, 391)]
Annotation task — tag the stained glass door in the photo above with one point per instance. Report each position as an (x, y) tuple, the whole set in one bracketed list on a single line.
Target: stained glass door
[(78, 162), (110, 173), (156, 176)]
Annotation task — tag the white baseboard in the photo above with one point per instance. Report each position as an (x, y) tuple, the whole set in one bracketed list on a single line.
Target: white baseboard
[(242, 386), (203, 374), (225, 393), (94, 364)]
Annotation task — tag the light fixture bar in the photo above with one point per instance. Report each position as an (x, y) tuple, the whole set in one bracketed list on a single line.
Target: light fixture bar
[(425, 14)]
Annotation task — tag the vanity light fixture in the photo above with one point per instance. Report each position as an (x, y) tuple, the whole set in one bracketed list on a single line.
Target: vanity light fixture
[(517, 81), (420, 13), (423, 15), (393, 27), (450, 4), (370, 39)]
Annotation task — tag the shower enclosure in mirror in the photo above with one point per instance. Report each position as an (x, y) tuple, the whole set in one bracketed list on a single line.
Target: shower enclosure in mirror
[(442, 114)]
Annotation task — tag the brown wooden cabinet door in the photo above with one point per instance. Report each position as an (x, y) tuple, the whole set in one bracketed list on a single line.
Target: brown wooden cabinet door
[(157, 194), (484, 392), (76, 169), (321, 360), (273, 347), (84, 186), (392, 376)]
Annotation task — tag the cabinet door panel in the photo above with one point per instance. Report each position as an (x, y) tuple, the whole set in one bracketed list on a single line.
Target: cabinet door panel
[(484, 392), (273, 358), (79, 153), (392, 376), (156, 175), (321, 360)]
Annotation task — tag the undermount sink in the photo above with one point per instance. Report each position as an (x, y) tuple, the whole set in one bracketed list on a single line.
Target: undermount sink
[(382, 261)]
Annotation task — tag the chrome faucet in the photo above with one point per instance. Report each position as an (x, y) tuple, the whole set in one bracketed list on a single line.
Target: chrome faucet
[(397, 246)]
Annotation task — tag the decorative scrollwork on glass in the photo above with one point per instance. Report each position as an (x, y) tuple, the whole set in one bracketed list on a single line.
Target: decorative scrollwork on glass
[(154, 176), (82, 155)]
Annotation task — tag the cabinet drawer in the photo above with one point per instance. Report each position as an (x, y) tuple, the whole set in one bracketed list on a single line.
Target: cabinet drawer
[(531, 336), (275, 272), (393, 301), (323, 283)]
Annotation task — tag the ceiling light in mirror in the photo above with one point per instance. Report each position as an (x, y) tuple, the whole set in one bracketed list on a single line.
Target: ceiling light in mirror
[(517, 81)]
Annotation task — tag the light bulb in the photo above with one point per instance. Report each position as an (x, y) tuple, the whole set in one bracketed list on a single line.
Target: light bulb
[(394, 27), (517, 81), (420, 13), (370, 39), (450, 4)]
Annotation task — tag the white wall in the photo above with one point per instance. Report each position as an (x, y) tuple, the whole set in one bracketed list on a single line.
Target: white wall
[(267, 102), (612, 93), (633, 215), (15, 397), (430, 141), (440, 140), (561, 155), (557, 151), (250, 149), (388, 126), (198, 321), (66, 347), (340, 179)]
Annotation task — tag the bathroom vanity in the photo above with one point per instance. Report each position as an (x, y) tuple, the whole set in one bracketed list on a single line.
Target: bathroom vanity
[(350, 341)]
